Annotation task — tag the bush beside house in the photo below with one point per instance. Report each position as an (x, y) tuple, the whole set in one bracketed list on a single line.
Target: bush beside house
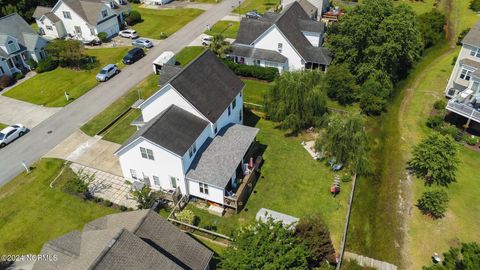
[(103, 36), (6, 81), (133, 18), (261, 73)]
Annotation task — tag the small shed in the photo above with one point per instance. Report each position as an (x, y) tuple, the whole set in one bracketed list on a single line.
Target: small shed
[(167, 57), (288, 221)]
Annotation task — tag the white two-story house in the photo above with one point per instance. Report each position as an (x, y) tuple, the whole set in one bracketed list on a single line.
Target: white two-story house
[(191, 136), (18, 44), (289, 40), (464, 84), (81, 19)]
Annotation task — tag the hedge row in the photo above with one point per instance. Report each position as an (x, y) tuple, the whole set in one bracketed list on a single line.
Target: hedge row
[(261, 73)]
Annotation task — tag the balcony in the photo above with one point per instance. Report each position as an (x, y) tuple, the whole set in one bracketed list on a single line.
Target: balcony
[(466, 104)]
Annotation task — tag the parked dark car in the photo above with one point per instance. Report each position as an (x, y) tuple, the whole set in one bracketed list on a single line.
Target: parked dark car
[(253, 14), (133, 56)]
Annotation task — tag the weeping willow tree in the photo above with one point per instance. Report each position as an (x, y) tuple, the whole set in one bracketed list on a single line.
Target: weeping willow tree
[(346, 139), (297, 99)]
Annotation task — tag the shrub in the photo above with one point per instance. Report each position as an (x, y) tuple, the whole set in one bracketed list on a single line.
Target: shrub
[(32, 63), (19, 76), (144, 197), (346, 177), (163, 35), (433, 203), (135, 1), (440, 104), (186, 216), (261, 73), (103, 36), (6, 81), (98, 200), (471, 140), (449, 129), (107, 203), (133, 18), (80, 183), (434, 121), (46, 64), (462, 35), (123, 208), (475, 5)]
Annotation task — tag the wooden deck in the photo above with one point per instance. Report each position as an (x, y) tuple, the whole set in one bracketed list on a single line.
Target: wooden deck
[(245, 188)]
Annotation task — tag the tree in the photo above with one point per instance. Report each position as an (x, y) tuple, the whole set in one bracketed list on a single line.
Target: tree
[(133, 18), (375, 93), (80, 183), (435, 159), (377, 35), (186, 216), (315, 235), (431, 26), (144, 197), (467, 257), (265, 246), (346, 140), (24, 8), (297, 99), (433, 203), (66, 52), (219, 46), (475, 5), (341, 84)]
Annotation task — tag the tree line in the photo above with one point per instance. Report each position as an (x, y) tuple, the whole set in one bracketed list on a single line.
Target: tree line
[(24, 8)]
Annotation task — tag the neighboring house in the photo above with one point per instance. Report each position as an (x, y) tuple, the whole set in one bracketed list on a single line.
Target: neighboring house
[(156, 2), (314, 8), (18, 43), (81, 19), (191, 138), (464, 84), (289, 41), (140, 240)]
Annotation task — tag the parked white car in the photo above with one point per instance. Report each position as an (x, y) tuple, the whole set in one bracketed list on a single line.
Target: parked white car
[(11, 133), (107, 72), (142, 43), (206, 40), (129, 33)]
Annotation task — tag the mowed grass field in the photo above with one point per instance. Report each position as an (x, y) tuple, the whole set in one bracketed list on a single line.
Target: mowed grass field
[(33, 213), (291, 182), (259, 5), (166, 21), (48, 88), (228, 29)]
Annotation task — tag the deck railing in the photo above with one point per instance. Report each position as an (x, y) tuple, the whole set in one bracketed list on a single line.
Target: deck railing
[(463, 110)]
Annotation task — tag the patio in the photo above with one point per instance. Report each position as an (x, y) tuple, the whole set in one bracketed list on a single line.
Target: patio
[(467, 104)]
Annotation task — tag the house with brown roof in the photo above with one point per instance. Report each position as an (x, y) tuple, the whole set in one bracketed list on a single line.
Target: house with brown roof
[(141, 240), (290, 40), (464, 84), (81, 19)]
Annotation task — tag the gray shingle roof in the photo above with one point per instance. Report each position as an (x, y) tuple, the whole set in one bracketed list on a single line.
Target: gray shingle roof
[(218, 158), (291, 22), (473, 36), (174, 129), (250, 52), (308, 7), (470, 62), (167, 73), (131, 240), (208, 84), (89, 10), (40, 11), (15, 26)]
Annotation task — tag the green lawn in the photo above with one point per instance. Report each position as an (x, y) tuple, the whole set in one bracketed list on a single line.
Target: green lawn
[(228, 29), (167, 21), (2, 126), (34, 27), (122, 129), (291, 182), (206, 1), (187, 54), (258, 5), (146, 88), (49, 88), (33, 213), (255, 91)]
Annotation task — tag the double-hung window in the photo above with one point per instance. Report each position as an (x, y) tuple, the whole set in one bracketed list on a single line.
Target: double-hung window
[(215, 128), (229, 110), (134, 174), (475, 52), (49, 27), (146, 153), (173, 182), (66, 15), (203, 188), (104, 13), (156, 180), (465, 74), (192, 150), (234, 103), (280, 47), (240, 115)]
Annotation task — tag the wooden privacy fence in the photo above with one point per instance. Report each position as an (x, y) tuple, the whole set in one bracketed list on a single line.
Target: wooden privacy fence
[(369, 262)]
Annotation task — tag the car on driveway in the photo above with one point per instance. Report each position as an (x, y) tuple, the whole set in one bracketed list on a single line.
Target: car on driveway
[(107, 72), (142, 43), (129, 33), (133, 56), (253, 14), (206, 40), (11, 133)]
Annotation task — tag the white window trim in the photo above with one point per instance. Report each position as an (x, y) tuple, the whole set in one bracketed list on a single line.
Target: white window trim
[(468, 73), (144, 152), (475, 52), (156, 180), (67, 15), (203, 188), (171, 182), (192, 150)]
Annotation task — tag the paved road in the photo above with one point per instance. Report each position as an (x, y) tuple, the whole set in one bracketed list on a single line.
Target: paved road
[(58, 127)]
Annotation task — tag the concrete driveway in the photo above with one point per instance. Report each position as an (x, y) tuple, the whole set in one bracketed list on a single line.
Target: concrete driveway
[(46, 135), (88, 151), (14, 111)]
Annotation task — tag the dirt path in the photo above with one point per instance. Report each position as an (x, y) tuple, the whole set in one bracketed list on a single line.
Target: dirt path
[(405, 185)]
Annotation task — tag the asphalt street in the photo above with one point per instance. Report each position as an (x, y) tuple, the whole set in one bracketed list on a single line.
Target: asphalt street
[(59, 126)]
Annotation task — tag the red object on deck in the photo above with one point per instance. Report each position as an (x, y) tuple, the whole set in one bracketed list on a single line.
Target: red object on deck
[(250, 163), (333, 189)]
